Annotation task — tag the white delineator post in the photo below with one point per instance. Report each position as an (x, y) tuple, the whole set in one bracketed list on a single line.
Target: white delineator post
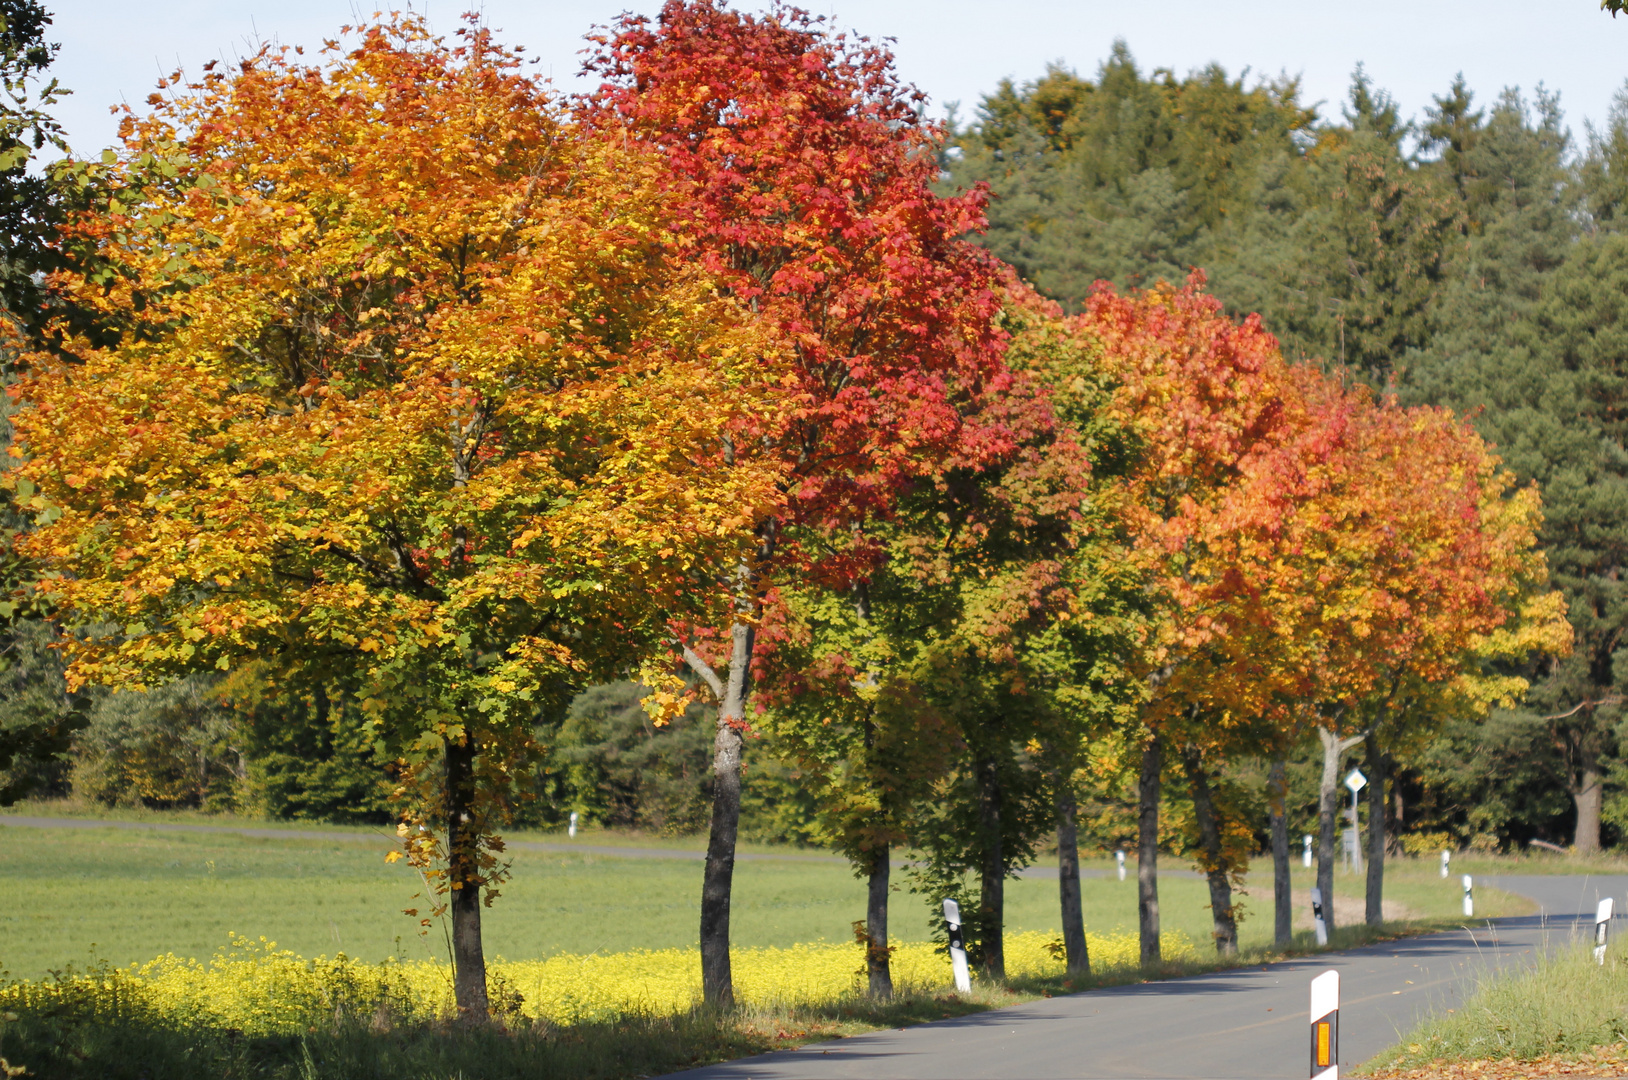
[(1119, 857), (958, 948), (1305, 856), (1318, 923), (1602, 930), (1469, 897), (1446, 858), (1325, 1026), (572, 830)]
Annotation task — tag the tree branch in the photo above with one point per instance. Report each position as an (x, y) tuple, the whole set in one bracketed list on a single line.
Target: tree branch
[(703, 669), (1615, 699)]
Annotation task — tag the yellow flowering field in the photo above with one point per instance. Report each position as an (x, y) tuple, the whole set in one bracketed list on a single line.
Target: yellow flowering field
[(256, 988)]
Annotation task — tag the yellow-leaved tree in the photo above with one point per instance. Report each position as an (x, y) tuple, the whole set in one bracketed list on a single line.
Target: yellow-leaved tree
[(413, 384)]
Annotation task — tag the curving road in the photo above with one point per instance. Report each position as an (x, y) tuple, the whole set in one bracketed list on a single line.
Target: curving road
[(1244, 1024)]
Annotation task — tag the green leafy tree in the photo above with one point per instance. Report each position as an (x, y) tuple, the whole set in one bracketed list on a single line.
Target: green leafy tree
[(306, 749), (30, 200), (176, 745)]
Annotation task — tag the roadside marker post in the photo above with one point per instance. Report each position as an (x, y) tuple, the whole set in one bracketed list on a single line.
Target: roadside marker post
[(958, 948), (1119, 857), (1305, 856), (1602, 930), (572, 830), (1469, 898), (1317, 920), (1325, 1026), (1446, 858)]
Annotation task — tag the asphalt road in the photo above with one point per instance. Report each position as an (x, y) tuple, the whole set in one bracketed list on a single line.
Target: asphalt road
[(1248, 1024)]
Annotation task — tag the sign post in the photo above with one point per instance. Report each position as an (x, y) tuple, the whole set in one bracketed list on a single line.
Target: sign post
[(1119, 857), (958, 948), (571, 831), (1446, 858), (1305, 856), (1325, 1026), (1602, 930), (1469, 898), (1318, 923), (1353, 844)]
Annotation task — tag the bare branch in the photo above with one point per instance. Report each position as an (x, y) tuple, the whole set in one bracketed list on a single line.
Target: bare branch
[(1615, 699), (703, 669)]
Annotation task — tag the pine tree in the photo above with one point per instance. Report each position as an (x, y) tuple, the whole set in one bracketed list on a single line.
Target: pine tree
[(1128, 178), (1533, 331)]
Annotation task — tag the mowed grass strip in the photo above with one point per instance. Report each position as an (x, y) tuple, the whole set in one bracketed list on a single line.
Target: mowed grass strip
[(71, 896)]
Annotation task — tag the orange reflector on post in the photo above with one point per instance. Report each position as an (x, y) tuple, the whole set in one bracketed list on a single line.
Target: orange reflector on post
[(1325, 1032)]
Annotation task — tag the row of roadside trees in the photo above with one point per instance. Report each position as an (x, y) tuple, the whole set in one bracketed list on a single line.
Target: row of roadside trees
[(396, 372), (1471, 257)]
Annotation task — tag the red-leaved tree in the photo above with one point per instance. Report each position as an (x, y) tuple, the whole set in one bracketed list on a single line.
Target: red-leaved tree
[(803, 171)]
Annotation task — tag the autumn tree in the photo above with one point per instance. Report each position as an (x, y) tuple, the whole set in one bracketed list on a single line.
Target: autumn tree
[(421, 392), (1209, 402), (803, 171), (1421, 576)]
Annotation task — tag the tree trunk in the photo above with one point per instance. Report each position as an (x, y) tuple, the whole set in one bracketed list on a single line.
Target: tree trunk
[(463, 878), (717, 983), (1586, 839), (877, 965), (1377, 805), (1277, 786), (1147, 849), (1224, 925), (992, 883), (1328, 808), (1068, 879)]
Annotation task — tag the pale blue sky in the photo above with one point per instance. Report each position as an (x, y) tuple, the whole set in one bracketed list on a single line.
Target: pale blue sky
[(953, 49)]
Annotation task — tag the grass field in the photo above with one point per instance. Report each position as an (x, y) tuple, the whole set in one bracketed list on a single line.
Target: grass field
[(71, 896)]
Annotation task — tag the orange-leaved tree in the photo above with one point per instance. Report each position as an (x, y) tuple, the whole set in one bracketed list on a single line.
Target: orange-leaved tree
[(1211, 405), (418, 386), (1414, 588), (804, 173)]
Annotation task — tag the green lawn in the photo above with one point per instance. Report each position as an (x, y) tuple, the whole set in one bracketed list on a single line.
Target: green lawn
[(71, 895)]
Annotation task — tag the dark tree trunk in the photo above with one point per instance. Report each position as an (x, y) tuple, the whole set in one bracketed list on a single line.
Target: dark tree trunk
[(877, 965), (1224, 925), (1586, 838), (1068, 879), (1147, 849), (1373, 912), (1328, 808), (463, 873), (717, 983), (992, 883), (1277, 787)]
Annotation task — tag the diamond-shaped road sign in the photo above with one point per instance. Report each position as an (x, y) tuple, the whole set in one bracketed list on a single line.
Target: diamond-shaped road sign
[(1356, 781)]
